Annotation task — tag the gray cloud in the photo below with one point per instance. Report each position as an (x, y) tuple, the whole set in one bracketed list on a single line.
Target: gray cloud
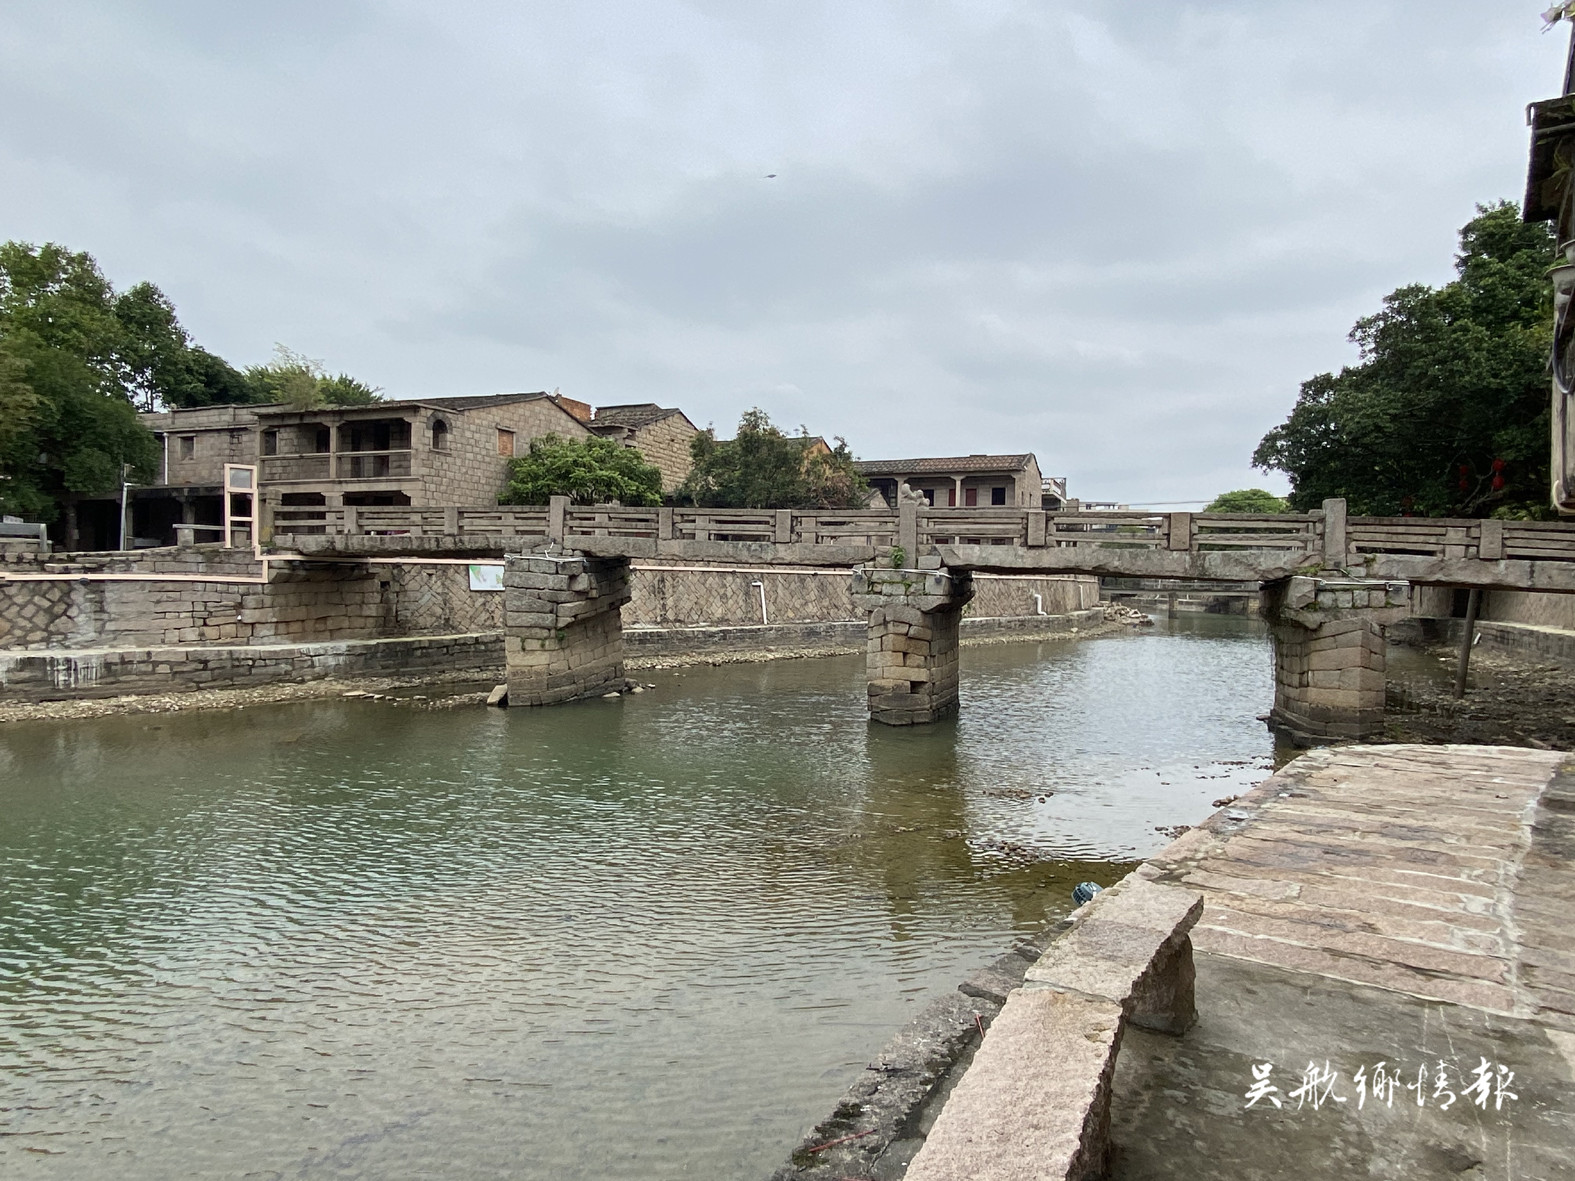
[(1118, 236)]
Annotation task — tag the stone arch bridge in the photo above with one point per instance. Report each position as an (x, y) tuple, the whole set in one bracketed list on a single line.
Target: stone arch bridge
[(1330, 583)]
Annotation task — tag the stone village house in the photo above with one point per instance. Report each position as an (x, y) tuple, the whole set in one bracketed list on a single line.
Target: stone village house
[(968, 481), (421, 452), (660, 433)]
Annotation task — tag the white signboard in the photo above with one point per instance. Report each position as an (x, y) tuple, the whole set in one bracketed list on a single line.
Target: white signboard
[(486, 578)]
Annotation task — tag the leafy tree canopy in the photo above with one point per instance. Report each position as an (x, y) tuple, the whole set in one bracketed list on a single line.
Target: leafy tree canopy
[(304, 383), (75, 361), (588, 471), (78, 360), (1447, 412), (763, 467), (1247, 500)]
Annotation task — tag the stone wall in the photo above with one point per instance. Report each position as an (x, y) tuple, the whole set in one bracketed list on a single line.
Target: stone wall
[(1531, 608), (665, 445), (88, 673), (998, 596), (470, 470), (219, 435), (354, 601), (205, 595), (212, 595), (670, 595), (1537, 608)]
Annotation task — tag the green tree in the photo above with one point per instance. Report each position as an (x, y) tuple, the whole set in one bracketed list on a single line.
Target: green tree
[(1247, 500), (762, 467), (215, 383), (74, 363), (1447, 413), (302, 382), (588, 471)]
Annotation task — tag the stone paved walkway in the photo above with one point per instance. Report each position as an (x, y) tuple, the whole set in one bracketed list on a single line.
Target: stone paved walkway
[(1406, 905)]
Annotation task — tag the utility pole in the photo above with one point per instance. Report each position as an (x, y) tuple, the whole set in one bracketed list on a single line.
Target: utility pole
[(1569, 64), (125, 476), (1468, 637)]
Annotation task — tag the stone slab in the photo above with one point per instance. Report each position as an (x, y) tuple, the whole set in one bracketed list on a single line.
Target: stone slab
[(1035, 1101)]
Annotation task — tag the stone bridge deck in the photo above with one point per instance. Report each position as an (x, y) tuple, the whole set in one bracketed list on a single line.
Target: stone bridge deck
[(1229, 547)]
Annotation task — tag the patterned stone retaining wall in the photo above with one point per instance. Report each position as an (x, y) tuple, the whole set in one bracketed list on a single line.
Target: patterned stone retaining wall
[(694, 596)]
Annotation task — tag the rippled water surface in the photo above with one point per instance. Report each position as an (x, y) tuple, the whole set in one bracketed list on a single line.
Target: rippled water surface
[(644, 938)]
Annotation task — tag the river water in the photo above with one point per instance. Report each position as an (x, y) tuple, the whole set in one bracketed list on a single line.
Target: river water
[(641, 938)]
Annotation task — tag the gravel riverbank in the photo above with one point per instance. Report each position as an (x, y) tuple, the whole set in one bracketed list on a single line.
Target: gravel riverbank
[(1509, 701)]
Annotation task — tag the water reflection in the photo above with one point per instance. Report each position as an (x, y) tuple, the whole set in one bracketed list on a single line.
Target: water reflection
[(646, 937)]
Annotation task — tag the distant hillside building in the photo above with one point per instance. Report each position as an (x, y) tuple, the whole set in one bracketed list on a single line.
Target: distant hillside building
[(961, 481)]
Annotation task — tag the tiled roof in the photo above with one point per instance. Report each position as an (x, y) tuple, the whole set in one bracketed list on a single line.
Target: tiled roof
[(478, 401), (943, 466), (634, 414)]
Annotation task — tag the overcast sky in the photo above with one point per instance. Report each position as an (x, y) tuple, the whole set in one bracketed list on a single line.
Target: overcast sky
[(1117, 235)]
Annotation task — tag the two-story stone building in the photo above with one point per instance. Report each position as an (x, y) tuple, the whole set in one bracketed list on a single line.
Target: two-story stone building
[(426, 451), (429, 451)]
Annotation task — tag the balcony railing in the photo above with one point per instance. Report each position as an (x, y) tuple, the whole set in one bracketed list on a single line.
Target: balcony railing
[(373, 465), (278, 468)]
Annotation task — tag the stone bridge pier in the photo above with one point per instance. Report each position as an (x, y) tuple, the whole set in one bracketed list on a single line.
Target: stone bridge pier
[(1329, 653), (911, 660), (563, 626)]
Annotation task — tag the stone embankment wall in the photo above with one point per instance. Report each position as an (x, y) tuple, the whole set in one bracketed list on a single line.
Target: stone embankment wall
[(208, 595), (202, 617), (673, 595), (1535, 625), (115, 672)]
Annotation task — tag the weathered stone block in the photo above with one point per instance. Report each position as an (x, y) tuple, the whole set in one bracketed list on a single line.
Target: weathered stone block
[(1014, 1116)]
